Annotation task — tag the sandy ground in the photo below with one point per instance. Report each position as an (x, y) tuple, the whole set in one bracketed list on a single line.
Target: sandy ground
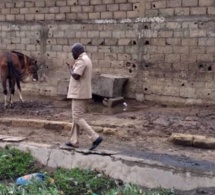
[(143, 129)]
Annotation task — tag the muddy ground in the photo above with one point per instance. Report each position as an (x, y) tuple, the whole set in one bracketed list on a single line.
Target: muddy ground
[(143, 129)]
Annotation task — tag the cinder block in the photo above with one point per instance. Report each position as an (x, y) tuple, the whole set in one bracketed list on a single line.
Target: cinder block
[(29, 4), (132, 14), (53, 10), (197, 50), (173, 41), (10, 17), (39, 16), (33, 10), (31, 47), (10, 5), (49, 3), (124, 41), (61, 3), (211, 10), (159, 5), (20, 4), (81, 34), (100, 8), (94, 16), (173, 25), (57, 48), (190, 58), (60, 16), (119, 15), (205, 57), (108, 85), (87, 8), (76, 9), (181, 49), (133, 1), (93, 34), (165, 33), (119, 34), (85, 2), (106, 15), (104, 34), (113, 7), (40, 3), (172, 58), (174, 3), (126, 7), (5, 11), (108, 2), (189, 3), (2, 18), (94, 2), (72, 2), (182, 11), (198, 11), (82, 16), (49, 16), (158, 41), (198, 33), (71, 16), (120, 1), (206, 42), (206, 3), (65, 9), (166, 12)]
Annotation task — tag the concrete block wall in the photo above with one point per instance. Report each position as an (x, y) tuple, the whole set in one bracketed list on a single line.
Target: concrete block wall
[(166, 46), (178, 53), (46, 29)]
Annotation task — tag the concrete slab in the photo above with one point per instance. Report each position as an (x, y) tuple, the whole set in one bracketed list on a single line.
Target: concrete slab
[(107, 85), (133, 170), (14, 139), (3, 137)]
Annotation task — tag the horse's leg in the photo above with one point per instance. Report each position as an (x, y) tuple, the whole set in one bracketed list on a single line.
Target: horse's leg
[(12, 91), (4, 86), (19, 91)]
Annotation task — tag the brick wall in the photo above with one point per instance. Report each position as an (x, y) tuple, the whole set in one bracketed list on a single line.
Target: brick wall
[(166, 46)]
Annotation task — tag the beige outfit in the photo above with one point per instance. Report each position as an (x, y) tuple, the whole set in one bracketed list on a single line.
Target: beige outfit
[(80, 91)]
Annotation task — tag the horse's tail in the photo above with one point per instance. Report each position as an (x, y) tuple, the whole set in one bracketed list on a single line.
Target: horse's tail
[(13, 71)]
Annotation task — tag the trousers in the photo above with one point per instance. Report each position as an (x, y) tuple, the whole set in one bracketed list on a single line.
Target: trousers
[(78, 109)]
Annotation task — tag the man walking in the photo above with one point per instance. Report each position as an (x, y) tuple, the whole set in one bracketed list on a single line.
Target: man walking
[(80, 92)]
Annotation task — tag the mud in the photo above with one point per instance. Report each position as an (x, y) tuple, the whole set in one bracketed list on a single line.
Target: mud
[(142, 129)]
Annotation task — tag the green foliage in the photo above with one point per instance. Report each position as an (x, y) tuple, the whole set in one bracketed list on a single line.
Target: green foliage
[(14, 163), (76, 181), (135, 190), (36, 188)]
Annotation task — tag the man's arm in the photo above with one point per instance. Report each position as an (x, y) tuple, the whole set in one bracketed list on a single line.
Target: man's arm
[(74, 75)]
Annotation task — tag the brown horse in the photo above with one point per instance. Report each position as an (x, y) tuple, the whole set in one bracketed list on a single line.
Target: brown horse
[(16, 67)]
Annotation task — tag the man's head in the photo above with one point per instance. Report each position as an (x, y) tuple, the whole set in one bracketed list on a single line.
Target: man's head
[(77, 50)]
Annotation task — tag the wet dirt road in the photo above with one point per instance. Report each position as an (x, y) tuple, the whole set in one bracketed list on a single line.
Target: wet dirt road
[(142, 129)]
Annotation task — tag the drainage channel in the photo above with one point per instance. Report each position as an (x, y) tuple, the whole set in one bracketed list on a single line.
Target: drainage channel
[(140, 171)]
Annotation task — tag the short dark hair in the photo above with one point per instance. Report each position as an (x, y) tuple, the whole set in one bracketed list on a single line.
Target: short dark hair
[(78, 47)]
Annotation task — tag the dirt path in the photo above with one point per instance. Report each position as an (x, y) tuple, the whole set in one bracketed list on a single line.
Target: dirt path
[(142, 129)]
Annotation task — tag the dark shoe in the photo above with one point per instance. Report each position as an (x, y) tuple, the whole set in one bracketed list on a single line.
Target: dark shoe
[(71, 145), (96, 143)]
